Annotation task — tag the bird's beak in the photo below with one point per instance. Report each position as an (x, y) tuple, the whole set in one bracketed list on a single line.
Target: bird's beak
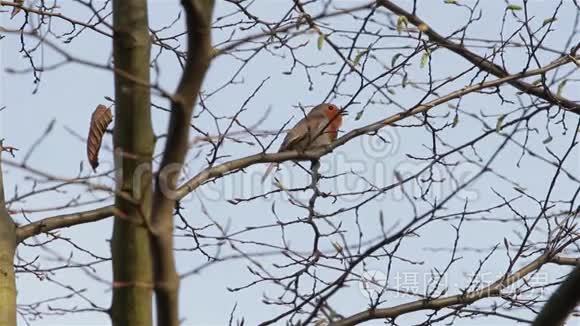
[(344, 113)]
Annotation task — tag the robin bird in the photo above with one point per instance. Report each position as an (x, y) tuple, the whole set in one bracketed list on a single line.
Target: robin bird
[(318, 128)]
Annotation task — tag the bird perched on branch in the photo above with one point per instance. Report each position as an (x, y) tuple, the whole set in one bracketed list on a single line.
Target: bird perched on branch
[(318, 128)]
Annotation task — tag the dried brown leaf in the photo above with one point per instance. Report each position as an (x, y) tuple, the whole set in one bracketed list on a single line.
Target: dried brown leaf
[(100, 119)]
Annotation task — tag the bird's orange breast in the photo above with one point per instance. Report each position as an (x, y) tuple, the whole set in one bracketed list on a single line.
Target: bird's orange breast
[(334, 125)]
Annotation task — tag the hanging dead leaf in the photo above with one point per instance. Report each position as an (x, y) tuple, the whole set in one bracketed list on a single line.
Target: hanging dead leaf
[(100, 119)]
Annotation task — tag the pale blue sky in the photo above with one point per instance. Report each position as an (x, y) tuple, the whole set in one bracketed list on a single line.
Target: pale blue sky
[(70, 93)]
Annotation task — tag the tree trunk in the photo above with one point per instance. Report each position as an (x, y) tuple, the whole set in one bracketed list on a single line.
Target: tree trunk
[(198, 17), (7, 249), (134, 144)]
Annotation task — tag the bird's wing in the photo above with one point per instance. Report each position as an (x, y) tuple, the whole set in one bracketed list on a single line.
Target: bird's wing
[(305, 132), (295, 135), (318, 131)]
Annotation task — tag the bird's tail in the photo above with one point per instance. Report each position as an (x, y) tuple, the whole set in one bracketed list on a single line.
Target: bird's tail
[(268, 171)]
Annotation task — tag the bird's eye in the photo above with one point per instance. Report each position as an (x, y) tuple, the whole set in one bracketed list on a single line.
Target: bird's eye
[(332, 108)]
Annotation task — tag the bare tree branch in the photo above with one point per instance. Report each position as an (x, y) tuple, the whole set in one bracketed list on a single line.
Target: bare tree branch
[(64, 221), (224, 168), (539, 91), (492, 290)]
